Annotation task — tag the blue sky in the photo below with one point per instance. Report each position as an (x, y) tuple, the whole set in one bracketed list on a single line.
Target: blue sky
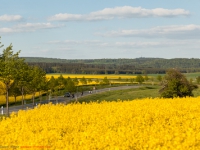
[(101, 29)]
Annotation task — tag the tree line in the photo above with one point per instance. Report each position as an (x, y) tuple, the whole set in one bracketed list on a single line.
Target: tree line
[(16, 76), (115, 66)]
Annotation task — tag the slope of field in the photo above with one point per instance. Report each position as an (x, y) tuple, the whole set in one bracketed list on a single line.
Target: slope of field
[(140, 124)]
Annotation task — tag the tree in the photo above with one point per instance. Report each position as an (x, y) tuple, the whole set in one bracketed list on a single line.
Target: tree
[(52, 83), (159, 78), (23, 78), (131, 80), (76, 82), (70, 86), (61, 82), (89, 80), (43, 85), (198, 79), (105, 80), (37, 76), (116, 72), (97, 81), (83, 80), (9, 66), (139, 79), (175, 84), (14, 91), (146, 78), (191, 80)]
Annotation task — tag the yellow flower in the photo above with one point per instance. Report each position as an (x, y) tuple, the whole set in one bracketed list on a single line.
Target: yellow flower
[(138, 124)]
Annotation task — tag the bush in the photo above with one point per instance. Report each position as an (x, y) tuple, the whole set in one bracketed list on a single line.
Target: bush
[(175, 84)]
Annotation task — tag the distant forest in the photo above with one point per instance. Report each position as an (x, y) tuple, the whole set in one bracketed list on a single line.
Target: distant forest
[(115, 66)]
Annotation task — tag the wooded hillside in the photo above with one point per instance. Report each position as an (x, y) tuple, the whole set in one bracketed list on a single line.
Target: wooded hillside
[(114, 66)]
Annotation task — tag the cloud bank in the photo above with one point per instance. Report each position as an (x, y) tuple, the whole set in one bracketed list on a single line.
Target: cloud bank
[(129, 44), (28, 27), (120, 12), (173, 31), (9, 18)]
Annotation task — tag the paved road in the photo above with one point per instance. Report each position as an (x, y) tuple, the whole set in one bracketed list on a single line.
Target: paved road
[(62, 99)]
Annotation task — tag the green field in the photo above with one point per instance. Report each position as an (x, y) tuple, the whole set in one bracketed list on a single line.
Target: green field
[(192, 75), (188, 75), (128, 94)]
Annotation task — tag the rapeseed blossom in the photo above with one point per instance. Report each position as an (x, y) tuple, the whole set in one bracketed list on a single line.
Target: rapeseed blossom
[(18, 99), (88, 76), (138, 124)]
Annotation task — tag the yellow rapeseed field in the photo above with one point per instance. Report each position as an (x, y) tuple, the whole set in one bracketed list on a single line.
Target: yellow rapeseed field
[(166, 124), (89, 76), (111, 77), (12, 99)]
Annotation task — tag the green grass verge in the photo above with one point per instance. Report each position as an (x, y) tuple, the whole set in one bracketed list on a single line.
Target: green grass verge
[(128, 94)]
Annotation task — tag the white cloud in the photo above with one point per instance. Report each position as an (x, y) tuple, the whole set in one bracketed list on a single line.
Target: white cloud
[(28, 27), (66, 17), (107, 44), (166, 44), (127, 48), (8, 18), (137, 44), (35, 26), (6, 30), (174, 31), (120, 12), (73, 42), (128, 45)]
